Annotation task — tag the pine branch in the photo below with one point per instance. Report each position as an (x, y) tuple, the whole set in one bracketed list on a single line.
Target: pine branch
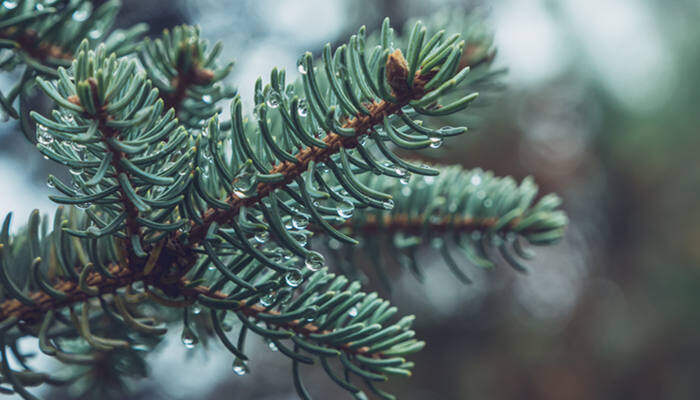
[(360, 124), (46, 37), (187, 74), (182, 212), (472, 208), (113, 130), (329, 318), (346, 323)]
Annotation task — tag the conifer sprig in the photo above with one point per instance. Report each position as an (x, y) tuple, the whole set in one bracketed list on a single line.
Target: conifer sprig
[(472, 211), (172, 212), (43, 35), (187, 74)]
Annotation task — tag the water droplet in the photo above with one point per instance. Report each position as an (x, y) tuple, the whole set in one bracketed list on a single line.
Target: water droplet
[(293, 278), (271, 345), (196, 310), (302, 110), (301, 68), (82, 206), (262, 236), (480, 194), (95, 34), (68, 117), (43, 136), (400, 171), (268, 299), (314, 261), (46, 157), (277, 257), (240, 367), (189, 339), (334, 244), (75, 171), (207, 99), (436, 243), (140, 347), (243, 183), (428, 179), (93, 230), (405, 179), (272, 101), (406, 191), (9, 4), (352, 312), (300, 221), (345, 209), (285, 295), (488, 203), (185, 227), (475, 180), (300, 238), (388, 205), (81, 15), (435, 142), (50, 184)]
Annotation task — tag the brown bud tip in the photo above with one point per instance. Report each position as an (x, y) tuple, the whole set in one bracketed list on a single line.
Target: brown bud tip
[(475, 55), (202, 76), (74, 99), (396, 73)]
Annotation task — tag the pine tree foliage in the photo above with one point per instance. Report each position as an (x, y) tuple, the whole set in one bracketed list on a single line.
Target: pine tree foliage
[(174, 219), (471, 211), (43, 35), (186, 73)]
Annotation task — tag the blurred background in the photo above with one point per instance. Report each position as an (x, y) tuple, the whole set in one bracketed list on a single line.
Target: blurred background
[(600, 104)]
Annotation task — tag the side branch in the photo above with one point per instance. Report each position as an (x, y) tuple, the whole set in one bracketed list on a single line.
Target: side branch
[(416, 225), (298, 326), (74, 294), (362, 124), (29, 43)]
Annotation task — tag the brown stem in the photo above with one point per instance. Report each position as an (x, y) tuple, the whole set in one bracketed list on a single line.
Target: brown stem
[(415, 225), (172, 260), (30, 44), (132, 213), (184, 79), (44, 302)]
